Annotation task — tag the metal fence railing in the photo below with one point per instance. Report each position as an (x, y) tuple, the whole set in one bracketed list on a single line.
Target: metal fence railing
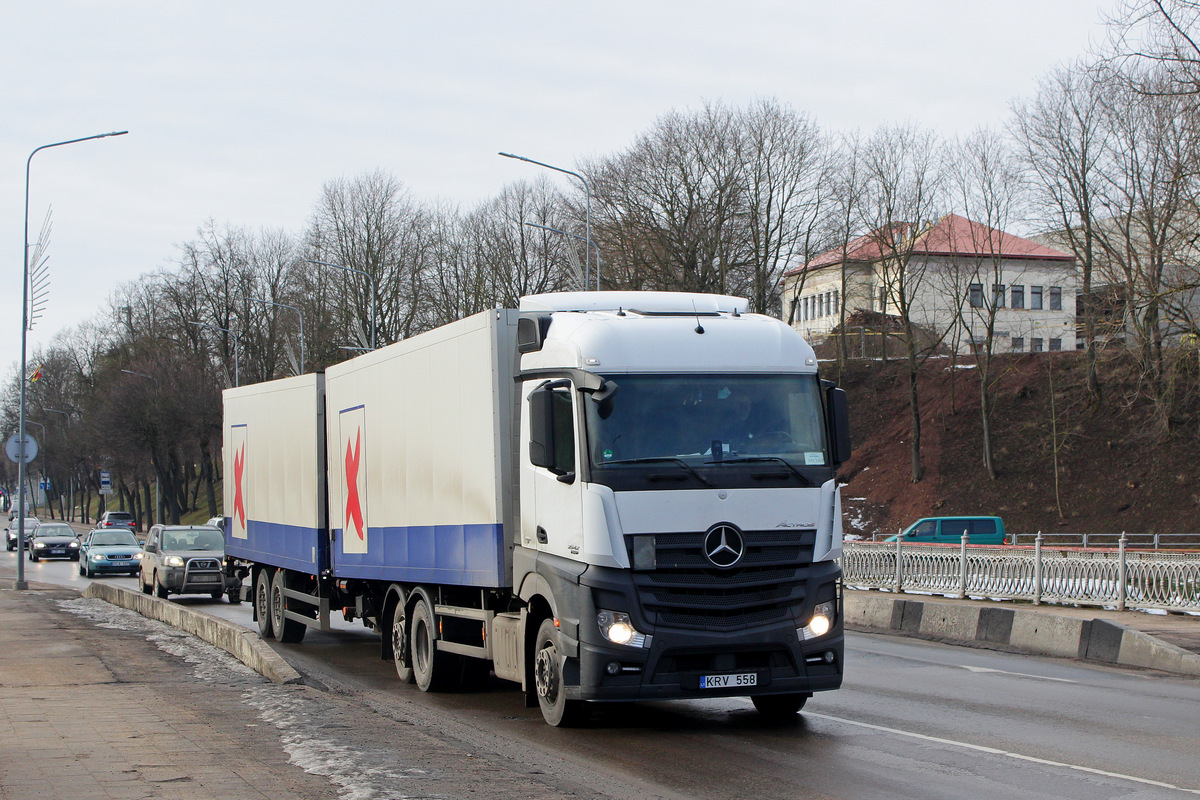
[(1120, 577)]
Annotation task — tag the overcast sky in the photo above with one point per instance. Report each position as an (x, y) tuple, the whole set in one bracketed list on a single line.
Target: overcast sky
[(240, 111)]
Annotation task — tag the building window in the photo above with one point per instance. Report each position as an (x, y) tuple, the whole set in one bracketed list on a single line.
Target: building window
[(976, 295), (1018, 344), (998, 295), (1035, 298), (1035, 344), (1017, 296), (1055, 344), (1055, 298)]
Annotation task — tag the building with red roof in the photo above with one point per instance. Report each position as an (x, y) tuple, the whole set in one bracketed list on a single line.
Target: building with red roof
[(958, 277)]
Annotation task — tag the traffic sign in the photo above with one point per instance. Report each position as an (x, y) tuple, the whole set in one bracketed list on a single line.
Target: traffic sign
[(105, 482), (13, 448)]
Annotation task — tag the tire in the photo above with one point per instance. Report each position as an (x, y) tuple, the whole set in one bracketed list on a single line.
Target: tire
[(548, 660), (400, 645), (286, 630), (145, 587), (262, 602), (234, 595), (160, 591), (84, 569), (433, 670), (32, 557), (217, 595), (779, 707)]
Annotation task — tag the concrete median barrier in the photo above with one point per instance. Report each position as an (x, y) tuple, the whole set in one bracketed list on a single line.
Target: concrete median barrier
[(244, 645)]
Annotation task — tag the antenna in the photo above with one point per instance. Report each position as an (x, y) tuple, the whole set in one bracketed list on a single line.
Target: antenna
[(699, 328)]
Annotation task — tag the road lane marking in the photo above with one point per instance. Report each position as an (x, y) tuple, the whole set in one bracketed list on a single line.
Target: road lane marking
[(1008, 754), (1017, 674)]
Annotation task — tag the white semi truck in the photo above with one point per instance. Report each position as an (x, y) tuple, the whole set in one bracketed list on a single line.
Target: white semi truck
[(600, 496)]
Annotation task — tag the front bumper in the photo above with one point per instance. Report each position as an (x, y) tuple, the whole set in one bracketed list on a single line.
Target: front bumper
[(182, 580), (129, 566), (54, 552)]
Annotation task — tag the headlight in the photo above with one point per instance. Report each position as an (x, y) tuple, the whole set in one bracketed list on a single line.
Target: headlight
[(618, 629), (98, 557), (173, 561), (74, 544), (138, 556), (821, 622), (39, 545)]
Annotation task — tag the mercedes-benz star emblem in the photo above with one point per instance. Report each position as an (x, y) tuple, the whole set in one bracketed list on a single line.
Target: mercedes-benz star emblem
[(724, 545)]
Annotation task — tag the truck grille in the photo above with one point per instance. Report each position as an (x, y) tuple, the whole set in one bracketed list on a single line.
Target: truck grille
[(686, 591)]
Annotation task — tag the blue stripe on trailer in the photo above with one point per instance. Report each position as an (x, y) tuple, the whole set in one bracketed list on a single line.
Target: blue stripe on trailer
[(288, 546), (459, 555)]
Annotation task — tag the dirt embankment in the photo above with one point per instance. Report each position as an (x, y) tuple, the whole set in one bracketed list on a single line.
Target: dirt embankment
[(1067, 466)]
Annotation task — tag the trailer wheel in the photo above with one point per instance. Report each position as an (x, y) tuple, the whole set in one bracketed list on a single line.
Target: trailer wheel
[(401, 654), (262, 602), (779, 707), (286, 630), (557, 710), (433, 670)]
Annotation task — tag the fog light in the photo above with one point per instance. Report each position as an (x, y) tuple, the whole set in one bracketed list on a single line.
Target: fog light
[(613, 668), (830, 656)]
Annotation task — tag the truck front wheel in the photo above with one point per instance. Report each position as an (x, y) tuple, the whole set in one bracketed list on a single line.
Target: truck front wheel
[(779, 707), (557, 710)]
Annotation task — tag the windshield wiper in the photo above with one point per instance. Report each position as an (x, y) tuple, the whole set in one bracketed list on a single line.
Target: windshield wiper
[(759, 459), (664, 460)]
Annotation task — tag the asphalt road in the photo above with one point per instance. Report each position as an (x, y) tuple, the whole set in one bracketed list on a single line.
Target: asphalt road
[(915, 719)]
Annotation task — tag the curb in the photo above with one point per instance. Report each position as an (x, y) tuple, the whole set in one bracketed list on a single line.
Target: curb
[(1035, 632), (242, 644)]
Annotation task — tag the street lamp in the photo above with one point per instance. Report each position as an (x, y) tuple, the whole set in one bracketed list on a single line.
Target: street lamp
[(573, 236), (237, 343), (374, 296), (587, 188), (20, 582), (298, 314)]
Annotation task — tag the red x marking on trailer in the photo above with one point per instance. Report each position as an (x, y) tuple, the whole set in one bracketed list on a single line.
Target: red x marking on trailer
[(239, 468), (353, 505)]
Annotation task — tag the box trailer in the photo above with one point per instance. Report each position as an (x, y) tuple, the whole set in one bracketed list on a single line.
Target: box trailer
[(600, 496)]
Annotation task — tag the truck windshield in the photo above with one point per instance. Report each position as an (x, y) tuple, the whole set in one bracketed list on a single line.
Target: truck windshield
[(702, 425)]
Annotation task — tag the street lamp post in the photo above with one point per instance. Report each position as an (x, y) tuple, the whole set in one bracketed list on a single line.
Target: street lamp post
[(20, 583), (374, 295), (587, 188), (237, 344), (573, 236), (298, 314)]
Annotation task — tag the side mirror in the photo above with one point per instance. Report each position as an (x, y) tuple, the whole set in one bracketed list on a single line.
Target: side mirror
[(541, 428), (838, 412)]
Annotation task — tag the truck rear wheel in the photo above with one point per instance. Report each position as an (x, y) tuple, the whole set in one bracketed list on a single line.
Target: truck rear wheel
[(401, 654), (262, 602), (286, 630), (433, 670), (557, 710), (779, 707)]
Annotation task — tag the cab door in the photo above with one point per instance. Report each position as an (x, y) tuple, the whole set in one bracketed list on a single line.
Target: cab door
[(551, 505)]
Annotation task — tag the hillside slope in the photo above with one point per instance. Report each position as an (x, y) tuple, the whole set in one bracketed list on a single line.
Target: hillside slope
[(1117, 468)]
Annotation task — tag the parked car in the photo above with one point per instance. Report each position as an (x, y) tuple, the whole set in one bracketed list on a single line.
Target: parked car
[(185, 559), (950, 530), (10, 533), (117, 519), (107, 550), (54, 540)]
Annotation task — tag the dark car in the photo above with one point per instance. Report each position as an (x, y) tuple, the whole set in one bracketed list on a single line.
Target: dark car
[(185, 559), (10, 533), (54, 540), (117, 519), (109, 550)]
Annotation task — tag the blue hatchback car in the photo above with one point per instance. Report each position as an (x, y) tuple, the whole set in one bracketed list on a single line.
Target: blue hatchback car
[(110, 550)]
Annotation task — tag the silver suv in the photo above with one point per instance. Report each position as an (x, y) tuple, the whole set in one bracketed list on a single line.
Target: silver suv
[(117, 519), (185, 559)]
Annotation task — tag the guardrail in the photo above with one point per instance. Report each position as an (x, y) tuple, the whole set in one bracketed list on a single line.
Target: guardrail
[(1039, 574)]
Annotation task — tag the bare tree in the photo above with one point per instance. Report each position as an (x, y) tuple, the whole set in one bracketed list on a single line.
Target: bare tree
[(903, 191)]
